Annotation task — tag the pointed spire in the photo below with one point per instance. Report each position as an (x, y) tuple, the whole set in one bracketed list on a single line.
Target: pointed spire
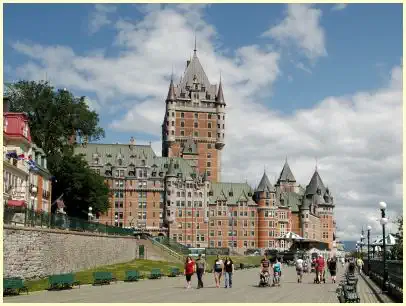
[(264, 184), (171, 92), (195, 49), (286, 174), (220, 95), (315, 183)]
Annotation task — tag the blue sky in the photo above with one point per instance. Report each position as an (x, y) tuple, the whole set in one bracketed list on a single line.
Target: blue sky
[(299, 80)]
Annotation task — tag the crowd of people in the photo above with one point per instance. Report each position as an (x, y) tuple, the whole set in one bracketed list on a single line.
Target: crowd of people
[(225, 267)]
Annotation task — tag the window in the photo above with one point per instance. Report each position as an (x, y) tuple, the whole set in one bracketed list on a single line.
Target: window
[(208, 164), (196, 115), (209, 116), (209, 134), (209, 125), (182, 123), (209, 146), (182, 133), (196, 125), (196, 134), (182, 115)]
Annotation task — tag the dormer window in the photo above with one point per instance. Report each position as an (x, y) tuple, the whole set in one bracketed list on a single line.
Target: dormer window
[(166, 166), (230, 194), (154, 174), (109, 155), (120, 161), (161, 174), (143, 162)]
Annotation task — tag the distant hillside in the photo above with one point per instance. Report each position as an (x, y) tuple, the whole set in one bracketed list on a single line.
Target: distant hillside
[(349, 245)]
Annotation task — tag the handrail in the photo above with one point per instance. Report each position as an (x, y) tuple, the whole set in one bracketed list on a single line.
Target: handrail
[(165, 248)]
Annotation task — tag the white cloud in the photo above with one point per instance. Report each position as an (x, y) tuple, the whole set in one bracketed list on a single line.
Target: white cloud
[(100, 17), (339, 6), (302, 28), (356, 138)]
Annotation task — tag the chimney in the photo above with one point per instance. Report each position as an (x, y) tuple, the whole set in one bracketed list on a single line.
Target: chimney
[(6, 104), (187, 63)]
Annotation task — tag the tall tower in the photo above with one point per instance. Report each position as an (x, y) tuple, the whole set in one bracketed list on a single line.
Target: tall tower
[(195, 116)]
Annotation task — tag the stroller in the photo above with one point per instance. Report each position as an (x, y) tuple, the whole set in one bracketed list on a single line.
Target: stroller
[(322, 278), (264, 279)]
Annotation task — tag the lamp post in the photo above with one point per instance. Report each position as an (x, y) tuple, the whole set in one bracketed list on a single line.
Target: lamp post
[(34, 191), (369, 258), (383, 222), (116, 220), (90, 215)]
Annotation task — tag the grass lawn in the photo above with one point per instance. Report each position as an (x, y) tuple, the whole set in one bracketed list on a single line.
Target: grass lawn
[(143, 266), (86, 277)]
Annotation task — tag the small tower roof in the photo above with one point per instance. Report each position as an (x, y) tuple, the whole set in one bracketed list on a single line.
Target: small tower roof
[(286, 174), (315, 183), (264, 184), (220, 95), (171, 92)]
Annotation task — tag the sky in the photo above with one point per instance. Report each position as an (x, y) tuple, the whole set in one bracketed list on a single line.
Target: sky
[(303, 82)]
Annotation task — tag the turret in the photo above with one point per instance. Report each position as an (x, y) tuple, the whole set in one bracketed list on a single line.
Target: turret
[(221, 109), (170, 116), (170, 179)]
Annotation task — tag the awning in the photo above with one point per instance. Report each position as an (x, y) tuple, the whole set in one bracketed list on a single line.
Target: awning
[(16, 203)]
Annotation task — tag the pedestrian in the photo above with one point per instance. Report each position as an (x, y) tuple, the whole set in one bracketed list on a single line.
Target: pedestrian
[(299, 269), (218, 270), (277, 272), (200, 270), (228, 272), (342, 261), (320, 264), (189, 270), (360, 264), (332, 267)]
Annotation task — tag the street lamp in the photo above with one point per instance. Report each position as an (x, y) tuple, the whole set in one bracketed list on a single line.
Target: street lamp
[(34, 191), (369, 258), (90, 215), (383, 222), (116, 220)]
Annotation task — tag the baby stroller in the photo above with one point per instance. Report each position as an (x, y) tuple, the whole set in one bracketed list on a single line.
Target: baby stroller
[(264, 279), (322, 278)]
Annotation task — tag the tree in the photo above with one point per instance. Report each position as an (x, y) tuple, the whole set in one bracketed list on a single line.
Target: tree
[(54, 117), (397, 249)]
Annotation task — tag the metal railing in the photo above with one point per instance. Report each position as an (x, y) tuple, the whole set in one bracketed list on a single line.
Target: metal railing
[(166, 249), (395, 275), (172, 244), (31, 218)]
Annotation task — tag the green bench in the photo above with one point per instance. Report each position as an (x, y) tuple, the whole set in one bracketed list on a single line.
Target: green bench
[(132, 275), (155, 274), (174, 272), (13, 286), (102, 278), (62, 281)]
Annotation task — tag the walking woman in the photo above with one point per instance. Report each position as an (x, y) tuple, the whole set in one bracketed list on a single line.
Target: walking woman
[(218, 270), (228, 272), (190, 268), (332, 266)]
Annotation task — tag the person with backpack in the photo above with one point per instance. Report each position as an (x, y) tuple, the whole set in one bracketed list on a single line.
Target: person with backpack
[(200, 270), (190, 268), (228, 272), (218, 270), (299, 269)]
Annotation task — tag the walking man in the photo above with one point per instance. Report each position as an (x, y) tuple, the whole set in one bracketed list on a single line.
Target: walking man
[(200, 270)]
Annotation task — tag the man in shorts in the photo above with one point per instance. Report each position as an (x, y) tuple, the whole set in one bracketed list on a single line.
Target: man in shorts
[(299, 269)]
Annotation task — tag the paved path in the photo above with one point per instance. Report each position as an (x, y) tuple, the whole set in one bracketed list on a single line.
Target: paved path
[(172, 290)]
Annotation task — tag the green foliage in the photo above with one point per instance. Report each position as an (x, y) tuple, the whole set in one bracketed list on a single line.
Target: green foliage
[(397, 249), (54, 116)]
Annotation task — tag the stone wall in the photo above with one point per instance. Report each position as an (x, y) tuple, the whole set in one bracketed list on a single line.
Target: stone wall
[(34, 252)]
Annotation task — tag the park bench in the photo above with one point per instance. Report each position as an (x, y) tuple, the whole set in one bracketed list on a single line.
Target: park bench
[(132, 275), (174, 272), (102, 278), (13, 286), (155, 274), (62, 281)]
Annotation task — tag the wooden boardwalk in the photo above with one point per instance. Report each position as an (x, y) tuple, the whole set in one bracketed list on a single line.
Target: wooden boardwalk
[(171, 290)]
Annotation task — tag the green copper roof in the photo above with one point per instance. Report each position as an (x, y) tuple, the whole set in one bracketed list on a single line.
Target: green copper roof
[(221, 191)]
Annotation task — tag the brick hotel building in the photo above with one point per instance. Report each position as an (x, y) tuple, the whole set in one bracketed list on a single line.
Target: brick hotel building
[(181, 193)]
